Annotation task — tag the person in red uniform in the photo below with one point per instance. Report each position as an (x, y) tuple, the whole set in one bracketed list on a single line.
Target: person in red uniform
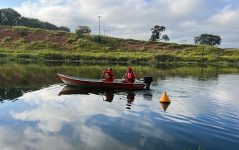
[(129, 76), (108, 75)]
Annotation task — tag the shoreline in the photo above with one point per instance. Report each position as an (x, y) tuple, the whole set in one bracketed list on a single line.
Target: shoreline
[(128, 62)]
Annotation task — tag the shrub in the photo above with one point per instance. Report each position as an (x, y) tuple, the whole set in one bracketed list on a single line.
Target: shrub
[(24, 56), (203, 60), (231, 52), (83, 43), (22, 40), (72, 39), (37, 45), (2, 55), (230, 59), (167, 58), (7, 39), (22, 31), (214, 50), (52, 45), (53, 56), (58, 33), (120, 58), (74, 57)]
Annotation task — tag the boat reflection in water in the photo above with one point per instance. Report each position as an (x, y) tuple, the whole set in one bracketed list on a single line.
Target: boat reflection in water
[(107, 95), (68, 90), (130, 99)]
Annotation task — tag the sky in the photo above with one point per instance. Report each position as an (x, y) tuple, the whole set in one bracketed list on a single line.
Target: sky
[(183, 19)]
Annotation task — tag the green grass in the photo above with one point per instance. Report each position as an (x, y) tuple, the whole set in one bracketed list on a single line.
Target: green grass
[(7, 39)]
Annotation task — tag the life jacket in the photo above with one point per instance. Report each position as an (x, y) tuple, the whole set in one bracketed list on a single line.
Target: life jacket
[(109, 74), (130, 76)]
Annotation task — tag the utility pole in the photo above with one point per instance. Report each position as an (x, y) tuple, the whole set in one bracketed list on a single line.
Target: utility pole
[(99, 25)]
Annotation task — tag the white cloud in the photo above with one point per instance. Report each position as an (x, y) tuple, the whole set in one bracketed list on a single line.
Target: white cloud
[(226, 18), (58, 110), (134, 18), (29, 138), (50, 112), (183, 8), (51, 2)]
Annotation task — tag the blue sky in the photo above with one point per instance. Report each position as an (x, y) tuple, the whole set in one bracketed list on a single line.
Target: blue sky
[(10, 3), (183, 19)]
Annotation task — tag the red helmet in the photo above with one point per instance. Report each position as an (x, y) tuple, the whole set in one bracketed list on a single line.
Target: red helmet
[(130, 68)]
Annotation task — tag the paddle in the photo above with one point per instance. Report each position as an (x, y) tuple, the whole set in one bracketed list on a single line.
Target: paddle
[(123, 77), (102, 75)]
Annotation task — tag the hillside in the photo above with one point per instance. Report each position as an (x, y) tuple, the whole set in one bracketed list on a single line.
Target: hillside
[(44, 45)]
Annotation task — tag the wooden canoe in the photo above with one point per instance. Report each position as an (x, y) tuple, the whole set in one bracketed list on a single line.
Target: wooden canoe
[(117, 84)]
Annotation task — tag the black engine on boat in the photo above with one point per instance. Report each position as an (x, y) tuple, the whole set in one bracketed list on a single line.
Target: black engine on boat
[(147, 81)]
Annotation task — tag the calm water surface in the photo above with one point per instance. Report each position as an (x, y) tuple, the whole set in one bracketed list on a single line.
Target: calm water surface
[(39, 112)]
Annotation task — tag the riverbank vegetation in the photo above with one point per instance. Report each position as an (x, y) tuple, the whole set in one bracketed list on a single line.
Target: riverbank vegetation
[(25, 75), (30, 44)]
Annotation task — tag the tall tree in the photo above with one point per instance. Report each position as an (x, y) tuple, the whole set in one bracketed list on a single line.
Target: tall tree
[(165, 37), (9, 17), (208, 39), (156, 32), (83, 30)]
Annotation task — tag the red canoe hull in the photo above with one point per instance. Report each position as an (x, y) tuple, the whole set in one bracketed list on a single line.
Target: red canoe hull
[(99, 84)]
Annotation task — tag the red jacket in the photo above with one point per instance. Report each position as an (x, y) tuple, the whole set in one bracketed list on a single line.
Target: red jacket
[(108, 74), (130, 76)]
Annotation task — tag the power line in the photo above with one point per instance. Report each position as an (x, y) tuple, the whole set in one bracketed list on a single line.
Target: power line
[(107, 32)]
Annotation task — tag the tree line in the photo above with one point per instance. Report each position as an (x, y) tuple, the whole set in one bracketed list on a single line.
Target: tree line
[(10, 17), (205, 39)]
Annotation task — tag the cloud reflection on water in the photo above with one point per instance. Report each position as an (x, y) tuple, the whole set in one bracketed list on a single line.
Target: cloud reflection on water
[(88, 122)]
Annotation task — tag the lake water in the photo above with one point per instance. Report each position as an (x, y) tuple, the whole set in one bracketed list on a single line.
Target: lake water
[(39, 112)]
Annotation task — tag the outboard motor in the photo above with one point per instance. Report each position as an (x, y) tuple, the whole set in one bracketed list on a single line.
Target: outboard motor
[(147, 81)]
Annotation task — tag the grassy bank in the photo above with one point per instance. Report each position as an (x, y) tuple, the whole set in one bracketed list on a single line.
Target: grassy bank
[(20, 43)]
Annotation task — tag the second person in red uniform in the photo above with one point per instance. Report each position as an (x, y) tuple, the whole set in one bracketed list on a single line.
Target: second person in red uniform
[(129, 76)]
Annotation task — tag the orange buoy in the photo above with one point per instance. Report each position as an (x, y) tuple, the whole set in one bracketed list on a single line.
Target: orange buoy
[(164, 98)]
